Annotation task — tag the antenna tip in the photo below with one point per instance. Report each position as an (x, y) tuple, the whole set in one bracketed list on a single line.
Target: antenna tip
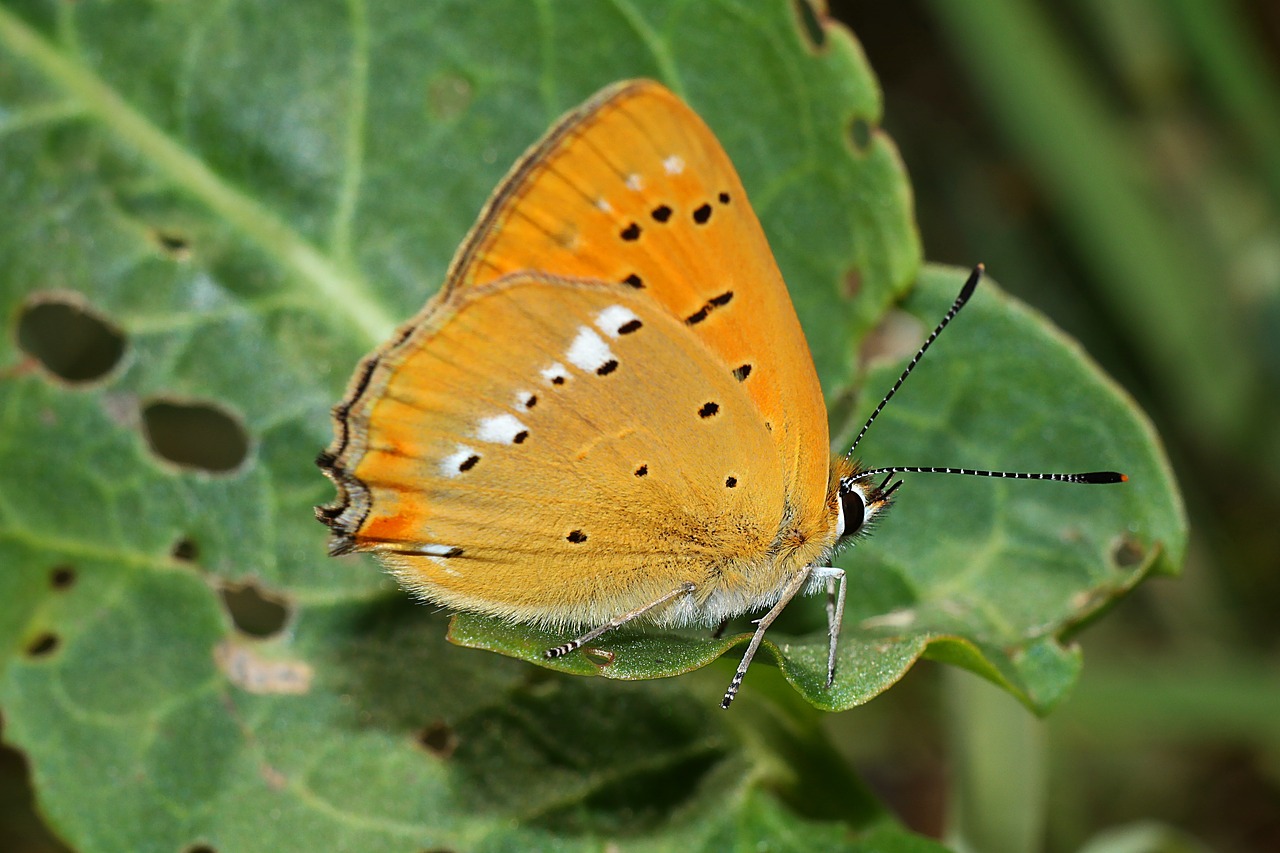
[(970, 285), (1102, 477)]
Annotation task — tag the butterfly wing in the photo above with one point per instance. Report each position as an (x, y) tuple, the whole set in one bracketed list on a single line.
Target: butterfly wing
[(557, 451), (634, 188)]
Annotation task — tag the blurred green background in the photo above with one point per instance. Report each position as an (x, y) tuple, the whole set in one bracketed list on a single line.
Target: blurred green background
[(1117, 164)]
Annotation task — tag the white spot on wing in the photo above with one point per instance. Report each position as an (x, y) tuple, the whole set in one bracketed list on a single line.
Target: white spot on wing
[(432, 550), (613, 318), (523, 398), (635, 182), (554, 372), (673, 165), (603, 206), (451, 466), (588, 352), (500, 429)]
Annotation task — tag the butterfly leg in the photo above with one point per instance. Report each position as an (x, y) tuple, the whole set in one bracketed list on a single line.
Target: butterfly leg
[(617, 621), (789, 592), (835, 612)]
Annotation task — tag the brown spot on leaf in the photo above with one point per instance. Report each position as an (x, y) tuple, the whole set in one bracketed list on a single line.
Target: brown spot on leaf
[(246, 667), (1127, 552), (62, 577), (439, 739), (42, 645)]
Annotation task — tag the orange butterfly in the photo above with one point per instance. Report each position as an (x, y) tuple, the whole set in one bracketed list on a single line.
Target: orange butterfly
[(609, 411)]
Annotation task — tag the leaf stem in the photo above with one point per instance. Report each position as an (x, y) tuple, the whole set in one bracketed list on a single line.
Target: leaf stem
[(998, 778)]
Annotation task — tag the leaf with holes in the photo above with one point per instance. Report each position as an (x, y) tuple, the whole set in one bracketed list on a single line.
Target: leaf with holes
[(206, 219)]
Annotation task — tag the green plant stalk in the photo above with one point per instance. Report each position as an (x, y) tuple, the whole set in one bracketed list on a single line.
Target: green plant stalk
[(1231, 64), (1154, 275), (997, 802)]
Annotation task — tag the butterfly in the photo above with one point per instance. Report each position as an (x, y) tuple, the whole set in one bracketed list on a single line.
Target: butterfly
[(609, 411)]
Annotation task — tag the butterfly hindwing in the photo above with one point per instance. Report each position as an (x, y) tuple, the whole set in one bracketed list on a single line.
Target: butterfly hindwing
[(534, 429)]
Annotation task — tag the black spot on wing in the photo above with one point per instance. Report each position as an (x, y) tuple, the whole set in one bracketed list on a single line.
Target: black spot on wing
[(711, 304)]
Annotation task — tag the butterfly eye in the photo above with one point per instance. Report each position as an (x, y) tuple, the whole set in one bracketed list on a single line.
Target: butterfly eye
[(853, 511)]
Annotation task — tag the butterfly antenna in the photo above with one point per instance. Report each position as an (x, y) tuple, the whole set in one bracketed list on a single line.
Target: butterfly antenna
[(965, 292), (1091, 477)]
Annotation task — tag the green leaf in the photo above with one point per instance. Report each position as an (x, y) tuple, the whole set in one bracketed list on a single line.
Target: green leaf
[(246, 199), (989, 575)]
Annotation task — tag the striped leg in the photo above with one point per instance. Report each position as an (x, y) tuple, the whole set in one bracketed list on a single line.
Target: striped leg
[(617, 621), (789, 592)]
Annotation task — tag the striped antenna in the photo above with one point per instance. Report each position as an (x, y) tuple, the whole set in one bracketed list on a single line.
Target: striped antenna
[(965, 292), (1097, 477), (971, 284)]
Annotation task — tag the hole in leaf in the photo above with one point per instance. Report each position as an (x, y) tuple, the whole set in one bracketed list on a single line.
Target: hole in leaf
[(185, 550), (254, 611), (174, 244), (1127, 552), (62, 577), (810, 24), (25, 833), (69, 341), (195, 435), (860, 134), (43, 645), (439, 739)]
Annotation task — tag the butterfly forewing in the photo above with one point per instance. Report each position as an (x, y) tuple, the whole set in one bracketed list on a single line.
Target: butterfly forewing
[(633, 189), (561, 451)]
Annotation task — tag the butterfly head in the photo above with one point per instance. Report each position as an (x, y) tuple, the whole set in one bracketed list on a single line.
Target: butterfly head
[(860, 501)]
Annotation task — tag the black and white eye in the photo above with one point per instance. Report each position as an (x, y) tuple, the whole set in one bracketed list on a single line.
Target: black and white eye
[(853, 511), (860, 502)]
